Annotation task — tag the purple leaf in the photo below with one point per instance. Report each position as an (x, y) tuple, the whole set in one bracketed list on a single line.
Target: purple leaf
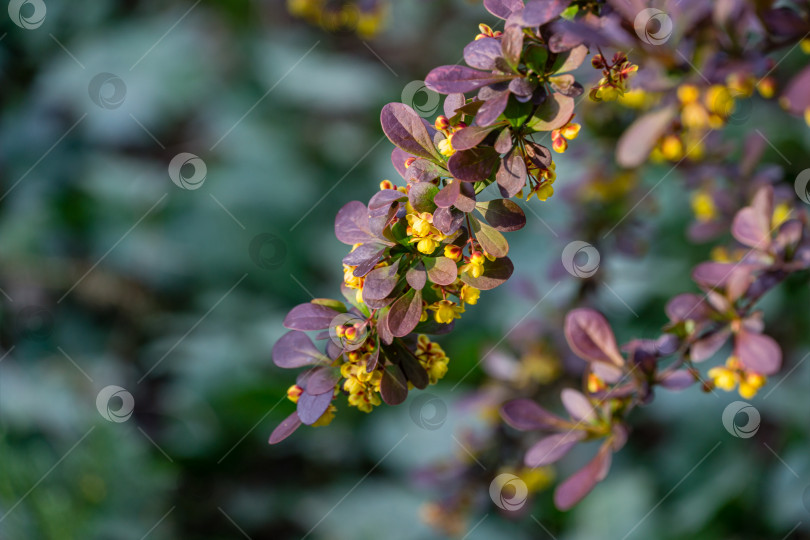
[(448, 194), (294, 349), (481, 53), (309, 317), (405, 129), (796, 96), (538, 154), (712, 274), (539, 12), (310, 407), (381, 202), (522, 88), (417, 276), (705, 348), (502, 214), (441, 270), (393, 386), (460, 79), (405, 313), (398, 159), (466, 198), (685, 307), (470, 137), (503, 143), (757, 352), (453, 102), (503, 8), (526, 415), (496, 273), (640, 138), (552, 448), (678, 380), (322, 379), (590, 337), (351, 224), (573, 59), (578, 406), (752, 229), (382, 326), (448, 220), (578, 485), (511, 44), (381, 282), (511, 175), (492, 109), (473, 165), (363, 253), (286, 428), (423, 170)]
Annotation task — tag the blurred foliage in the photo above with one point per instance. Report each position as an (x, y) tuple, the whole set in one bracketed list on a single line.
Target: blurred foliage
[(113, 275)]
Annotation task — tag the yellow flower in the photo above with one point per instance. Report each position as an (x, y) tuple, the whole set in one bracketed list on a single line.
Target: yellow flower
[(432, 358), (446, 311), (326, 418), (781, 214), (446, 147), (805, 45), (807, 116), (453, 252), (475, 267), (767, 87), (363, 387), (703, 206), (427, 245), (688, 93), (726, 378), (294, 392), (672, 148), (719, 100), (469, 295), (542, 192)]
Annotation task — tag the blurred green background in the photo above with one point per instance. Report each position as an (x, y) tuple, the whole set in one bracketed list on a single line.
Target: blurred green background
[(111, 274)]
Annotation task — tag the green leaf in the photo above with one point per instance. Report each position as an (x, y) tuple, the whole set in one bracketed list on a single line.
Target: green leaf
[(490, 239), (516, 112), (536, 57), (421, 196)]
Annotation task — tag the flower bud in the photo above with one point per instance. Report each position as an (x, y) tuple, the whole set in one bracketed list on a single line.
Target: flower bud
[(598, 62), (442, 123)]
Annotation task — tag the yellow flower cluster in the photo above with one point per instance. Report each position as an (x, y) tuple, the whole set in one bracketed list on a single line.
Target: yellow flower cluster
[(367, 20), (432, 358), (446, 145), (729, 376), (543, 186), (363, 387), (615, 77), (561, 136), (422, 232)]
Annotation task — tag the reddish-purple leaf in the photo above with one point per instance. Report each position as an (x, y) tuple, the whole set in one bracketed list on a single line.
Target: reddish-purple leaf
[(522, 88), (496, 273), (405, 129), (363, 253), (492, 109), (538, 154), (351, 224), (460, 79), (578, 406), (526, 415), (393, 386), (453, 102), (380, 282), (712, 274), (441, 270), (309, 317), (504, 215), (512, 44), (405, 313), (511, 175), (294, 349), (448, 195), (503, 143), (590, 337), (423, 170), (470, 137), (382, 326), (552, 448), (473, 165), (398, 159), (503, 8), (481, 53), (757, 352), (572, 60), (752, 229), (322, 379), (310, 407), (539, 12), (578, 485), (466, 198), (796, 96), (640, 138), (286, 428)]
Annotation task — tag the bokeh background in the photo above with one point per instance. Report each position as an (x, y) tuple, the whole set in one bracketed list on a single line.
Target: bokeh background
[(111, 274)]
